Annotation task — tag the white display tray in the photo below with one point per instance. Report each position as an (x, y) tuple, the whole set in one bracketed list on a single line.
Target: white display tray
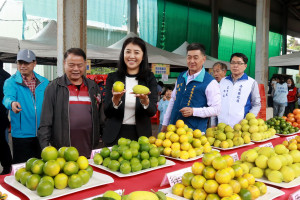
[(285, 135), (271, 138), (10, 196), (119, 174), (234, 147), (190, 159), (293, 183), (272, 193), (96, 180)]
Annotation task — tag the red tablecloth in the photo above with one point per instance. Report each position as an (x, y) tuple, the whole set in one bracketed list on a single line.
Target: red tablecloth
[(147, 181)]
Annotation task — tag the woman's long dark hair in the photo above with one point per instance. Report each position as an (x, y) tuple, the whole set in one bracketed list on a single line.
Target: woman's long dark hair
[(293, 83), (144, 66)]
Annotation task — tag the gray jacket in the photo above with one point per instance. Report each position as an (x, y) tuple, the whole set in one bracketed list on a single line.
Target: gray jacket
[(54, 125)]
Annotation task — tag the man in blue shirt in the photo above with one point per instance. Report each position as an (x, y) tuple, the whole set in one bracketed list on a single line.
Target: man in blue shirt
[(23, 96)]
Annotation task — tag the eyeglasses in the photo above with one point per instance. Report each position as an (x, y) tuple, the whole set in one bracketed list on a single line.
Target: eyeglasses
[(237, 63)]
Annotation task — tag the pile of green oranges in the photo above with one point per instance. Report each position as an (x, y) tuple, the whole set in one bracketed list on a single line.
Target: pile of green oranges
[(218, 177), (56, 169), (130, 156)]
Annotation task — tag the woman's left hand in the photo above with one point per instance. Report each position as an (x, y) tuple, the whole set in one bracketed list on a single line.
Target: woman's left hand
[(143, 98)]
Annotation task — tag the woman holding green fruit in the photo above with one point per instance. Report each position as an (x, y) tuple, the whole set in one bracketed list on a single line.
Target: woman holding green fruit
[(131, 95)]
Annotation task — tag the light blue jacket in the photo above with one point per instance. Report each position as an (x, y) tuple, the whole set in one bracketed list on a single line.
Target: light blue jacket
[(280, 94), (162, 107), (26, 122)]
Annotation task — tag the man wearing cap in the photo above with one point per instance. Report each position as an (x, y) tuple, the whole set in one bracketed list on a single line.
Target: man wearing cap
[(23, 96)]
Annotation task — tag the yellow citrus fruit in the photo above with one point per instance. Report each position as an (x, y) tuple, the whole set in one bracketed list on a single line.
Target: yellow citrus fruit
[(229, 160), (211, 186), (188, 192), (198, 181), (250, 178), (118, 86), (167, 151), (181, 131), (212, 197), (177, 189), (61, 181), (167, 143), (225, 190), (175, 153), (171, 128), (199, 150), (197, 133), (196, 143), (179, 123), (224, 144), (243, 182), (37, 167), (197, 168), (235, 197), (158, 142), (199, 194), (219, 163), (222, 176), (61, 162), (183, 138), (82, 162), (255, 193), (238, 170), (161, 136), (207, 148), (192, 153), (174, 137), (184, 155), (185, 146), (231, 171), (168, 134), (175, 145), (209, 172), (152, 140), (51, 168), (236, 186), (262, 187)]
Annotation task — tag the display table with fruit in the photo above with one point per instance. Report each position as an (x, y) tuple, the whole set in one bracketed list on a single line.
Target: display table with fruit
[(149, 180)]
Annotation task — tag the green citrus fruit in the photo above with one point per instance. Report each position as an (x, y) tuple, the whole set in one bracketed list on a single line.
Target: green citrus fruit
[(44, 188), (84, 176), (71, 154), (29, 163), (70, 168), (33, 181), (49, 153), (75, 181)]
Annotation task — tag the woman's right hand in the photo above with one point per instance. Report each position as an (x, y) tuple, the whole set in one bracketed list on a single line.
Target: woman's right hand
[(117, 96)]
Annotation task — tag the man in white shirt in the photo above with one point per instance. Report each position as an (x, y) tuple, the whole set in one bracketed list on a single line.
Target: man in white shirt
[(196, 95), (239, 92)]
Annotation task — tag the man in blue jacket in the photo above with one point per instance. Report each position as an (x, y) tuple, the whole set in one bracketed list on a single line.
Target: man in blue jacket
[(23, 96)]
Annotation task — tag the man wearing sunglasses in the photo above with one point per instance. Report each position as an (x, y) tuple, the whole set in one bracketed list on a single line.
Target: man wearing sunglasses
[(23, 96), (239, 92)]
